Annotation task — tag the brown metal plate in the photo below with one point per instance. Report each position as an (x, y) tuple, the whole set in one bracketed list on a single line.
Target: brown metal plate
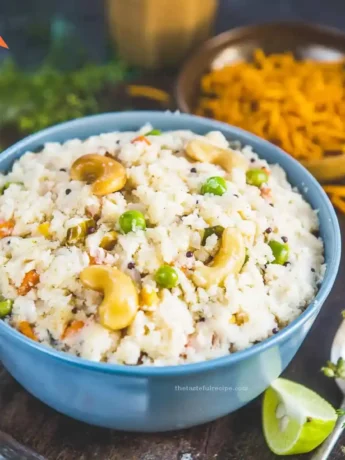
[(304, 40)]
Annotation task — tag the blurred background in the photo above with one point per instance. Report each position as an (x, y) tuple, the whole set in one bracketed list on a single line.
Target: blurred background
[(26, 24), (71, 58)]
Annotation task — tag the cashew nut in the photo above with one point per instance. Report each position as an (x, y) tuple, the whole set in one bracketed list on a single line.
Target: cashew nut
[(209, 153), (120, 302), (105, 174), (229, 260)]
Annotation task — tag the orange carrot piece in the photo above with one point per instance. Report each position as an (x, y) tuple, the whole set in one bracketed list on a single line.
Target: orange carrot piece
[(6, 228), (72, 328), (92, 260), (30, 280), (265, 192), (26, 329), (141, 139), (185, 271)]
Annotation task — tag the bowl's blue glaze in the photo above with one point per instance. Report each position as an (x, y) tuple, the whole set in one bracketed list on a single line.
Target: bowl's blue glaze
[(157, 398)]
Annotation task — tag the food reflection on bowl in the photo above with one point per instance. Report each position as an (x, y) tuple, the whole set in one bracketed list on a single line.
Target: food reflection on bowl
[(297, 103), (170, 165)]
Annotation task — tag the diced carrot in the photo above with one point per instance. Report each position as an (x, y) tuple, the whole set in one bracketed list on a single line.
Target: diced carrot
[(141, 139), (26, 329), (72, 328), (265, 192), (93, 260), (189, 342), (30, 280), (6, 228), (185, 271)]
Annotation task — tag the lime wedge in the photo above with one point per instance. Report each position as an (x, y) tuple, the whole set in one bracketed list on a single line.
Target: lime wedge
[(295, 419)]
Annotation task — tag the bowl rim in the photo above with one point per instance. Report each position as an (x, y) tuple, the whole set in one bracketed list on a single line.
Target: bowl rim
[(221, 39), (202, 366)]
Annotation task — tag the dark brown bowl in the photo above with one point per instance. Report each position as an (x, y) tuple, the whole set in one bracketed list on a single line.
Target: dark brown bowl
[(304, 40)]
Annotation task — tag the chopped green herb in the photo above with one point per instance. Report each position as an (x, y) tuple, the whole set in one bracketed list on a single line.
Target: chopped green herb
[(32, 101), (5, 307), (5, 186), (154, 132), (280, 252)]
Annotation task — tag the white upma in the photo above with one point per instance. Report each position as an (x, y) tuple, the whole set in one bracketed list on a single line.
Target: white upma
[(184, 256)]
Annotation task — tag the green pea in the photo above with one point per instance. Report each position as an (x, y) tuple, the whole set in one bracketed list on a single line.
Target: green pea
[(6, 186), (130, 221), (218, 230), (78, 233), (280, 252), (256, 177), (5, 307), (166, 277), (214, 185), (154, 132)]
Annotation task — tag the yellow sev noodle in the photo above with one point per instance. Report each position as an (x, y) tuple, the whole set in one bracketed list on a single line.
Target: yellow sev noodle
[(337, 196), (298, 105)]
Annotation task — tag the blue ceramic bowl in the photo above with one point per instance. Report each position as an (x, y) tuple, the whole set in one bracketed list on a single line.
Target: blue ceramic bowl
[(164, 398)]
